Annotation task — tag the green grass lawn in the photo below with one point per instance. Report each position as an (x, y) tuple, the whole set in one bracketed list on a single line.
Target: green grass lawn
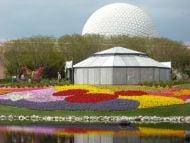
[(174, 110), (173, 126), (184, 86)]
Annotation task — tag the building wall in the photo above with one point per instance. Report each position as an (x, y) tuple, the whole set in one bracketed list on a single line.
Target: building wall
[(119, 76), (133, 76), (93, 76), (165, 75), (106, 75), (156, 74), (146, 74)]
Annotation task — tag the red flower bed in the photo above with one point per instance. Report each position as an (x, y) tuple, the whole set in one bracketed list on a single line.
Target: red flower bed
[(130, 93), (184, 97), (90, 98), (69, 92)]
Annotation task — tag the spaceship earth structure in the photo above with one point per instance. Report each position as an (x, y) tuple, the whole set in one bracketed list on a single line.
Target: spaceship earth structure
[(120, 19)]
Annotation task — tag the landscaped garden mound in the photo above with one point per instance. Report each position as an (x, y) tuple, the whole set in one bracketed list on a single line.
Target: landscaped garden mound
[(92, 98)]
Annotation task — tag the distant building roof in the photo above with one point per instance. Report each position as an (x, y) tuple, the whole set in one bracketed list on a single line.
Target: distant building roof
[(119, 50), (187, 44), (119, 57), (2, 41)]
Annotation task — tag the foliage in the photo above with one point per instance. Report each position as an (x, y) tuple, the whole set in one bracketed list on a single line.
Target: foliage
[(184, 86), (42, 83), (52, 53), (166, 83), (33, 52)]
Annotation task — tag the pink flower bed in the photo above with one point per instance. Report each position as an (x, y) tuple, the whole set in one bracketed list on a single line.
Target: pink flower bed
[(44, 95), (35, 95)]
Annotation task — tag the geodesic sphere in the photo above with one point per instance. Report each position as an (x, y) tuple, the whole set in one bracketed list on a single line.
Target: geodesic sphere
[(119, 19)]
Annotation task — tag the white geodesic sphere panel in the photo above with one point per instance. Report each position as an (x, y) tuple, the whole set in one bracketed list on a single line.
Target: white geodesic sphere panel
[(119, 19)]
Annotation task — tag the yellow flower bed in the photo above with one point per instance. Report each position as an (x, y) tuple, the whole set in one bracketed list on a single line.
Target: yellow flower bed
[(161, 132), (132, 87), (183, 92), (108, 89), (92, 89), (148, 101)]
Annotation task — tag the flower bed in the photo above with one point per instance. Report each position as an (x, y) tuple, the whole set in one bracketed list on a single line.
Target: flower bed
[(115, 88), (93, 98), (183, 92), (37, 95), (69, 92), (91, 89), (9, 90), (4, 91), (164, 92), (112, 105), (131, 93), (148, 101)]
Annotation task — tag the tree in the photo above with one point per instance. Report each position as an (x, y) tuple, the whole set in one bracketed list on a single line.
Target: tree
[(53, 53)]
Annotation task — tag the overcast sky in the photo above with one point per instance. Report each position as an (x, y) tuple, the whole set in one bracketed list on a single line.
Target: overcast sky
[(25, 18)]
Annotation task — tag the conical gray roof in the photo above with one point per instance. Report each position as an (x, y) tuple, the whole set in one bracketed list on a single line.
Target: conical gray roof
[(119, 50), (119, 57)]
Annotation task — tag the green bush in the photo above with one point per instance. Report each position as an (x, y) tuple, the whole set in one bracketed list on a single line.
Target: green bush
[(166, 83)]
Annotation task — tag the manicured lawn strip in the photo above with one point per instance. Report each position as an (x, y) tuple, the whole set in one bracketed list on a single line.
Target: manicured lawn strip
[(173, 110), (184, 86), (166, 126)]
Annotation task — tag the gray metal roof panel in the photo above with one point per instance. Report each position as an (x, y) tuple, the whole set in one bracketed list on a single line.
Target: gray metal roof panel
[(114, 60), (118, 50)]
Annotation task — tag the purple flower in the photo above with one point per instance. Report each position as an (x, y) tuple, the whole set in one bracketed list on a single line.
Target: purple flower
[(112, 105)]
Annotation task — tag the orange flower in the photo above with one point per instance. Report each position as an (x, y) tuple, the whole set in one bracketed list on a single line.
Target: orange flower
[(4, 91), (183, 92)]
